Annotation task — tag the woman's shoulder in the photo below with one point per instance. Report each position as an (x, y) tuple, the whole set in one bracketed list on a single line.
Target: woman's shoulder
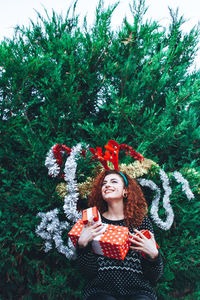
[(146, 219), (146, 224)]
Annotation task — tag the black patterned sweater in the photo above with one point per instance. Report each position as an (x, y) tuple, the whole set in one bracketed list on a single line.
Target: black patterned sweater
[(131, 276)]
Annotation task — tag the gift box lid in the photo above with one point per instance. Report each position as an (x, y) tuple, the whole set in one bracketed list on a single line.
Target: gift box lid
[(90, 214)]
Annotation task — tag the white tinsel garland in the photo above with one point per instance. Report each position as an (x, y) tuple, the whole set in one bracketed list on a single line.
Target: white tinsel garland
[(165, 225), (70, 201), (51, 164), (50, 229), (185, 185), (166, 201)]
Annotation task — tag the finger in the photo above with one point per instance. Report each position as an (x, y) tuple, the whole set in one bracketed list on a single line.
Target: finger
[(137, 238), (96, 234), (136, 248), (140, 234), (131, 233), (95, 225), (97, 229), (92, 226), (136, 242), (151, 234), (133, 240)]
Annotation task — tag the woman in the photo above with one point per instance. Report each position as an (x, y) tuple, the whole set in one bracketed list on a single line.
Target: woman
[(121, 202)]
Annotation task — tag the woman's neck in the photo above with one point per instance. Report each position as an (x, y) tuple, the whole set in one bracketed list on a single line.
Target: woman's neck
[(115, 211)]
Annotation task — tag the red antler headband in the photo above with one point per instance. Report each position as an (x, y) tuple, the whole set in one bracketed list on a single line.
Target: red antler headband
[(112, 154)]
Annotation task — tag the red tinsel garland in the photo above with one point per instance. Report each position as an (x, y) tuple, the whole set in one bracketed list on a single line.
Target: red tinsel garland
[(57, 151)]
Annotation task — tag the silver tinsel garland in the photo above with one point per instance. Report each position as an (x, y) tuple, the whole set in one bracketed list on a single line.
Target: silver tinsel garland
[(51, 164), (185, 186), (70, 201), (50, 228), (165, 225)]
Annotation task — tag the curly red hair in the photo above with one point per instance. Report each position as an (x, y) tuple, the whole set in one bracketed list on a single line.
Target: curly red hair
[(135, 206)]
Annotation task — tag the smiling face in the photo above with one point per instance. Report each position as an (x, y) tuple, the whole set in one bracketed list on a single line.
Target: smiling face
[(113, 187)]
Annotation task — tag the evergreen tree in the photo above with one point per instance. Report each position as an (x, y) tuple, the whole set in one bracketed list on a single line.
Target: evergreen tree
[(60, 83)]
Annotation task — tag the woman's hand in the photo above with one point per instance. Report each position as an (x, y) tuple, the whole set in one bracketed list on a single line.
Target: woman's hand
[(88, 233), (147, 246)]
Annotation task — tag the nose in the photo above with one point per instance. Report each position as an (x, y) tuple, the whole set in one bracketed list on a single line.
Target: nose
[(107, 185)]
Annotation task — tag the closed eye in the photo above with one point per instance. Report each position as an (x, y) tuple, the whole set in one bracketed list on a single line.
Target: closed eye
[(112, 180)]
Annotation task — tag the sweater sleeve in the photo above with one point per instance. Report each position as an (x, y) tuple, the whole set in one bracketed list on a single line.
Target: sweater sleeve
[(87, 261), (152, 268)]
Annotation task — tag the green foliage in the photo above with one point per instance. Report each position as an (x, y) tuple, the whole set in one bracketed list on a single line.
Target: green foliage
[(66, 84)]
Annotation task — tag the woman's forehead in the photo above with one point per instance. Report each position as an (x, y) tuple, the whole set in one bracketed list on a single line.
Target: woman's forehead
[(113, 176)]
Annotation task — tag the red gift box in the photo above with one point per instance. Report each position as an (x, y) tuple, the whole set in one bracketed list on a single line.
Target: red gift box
[(91, 215), (112, 242), (75, 232)]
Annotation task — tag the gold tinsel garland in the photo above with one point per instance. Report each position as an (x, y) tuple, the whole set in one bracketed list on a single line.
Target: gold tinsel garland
[(61, 189), (134, 170)]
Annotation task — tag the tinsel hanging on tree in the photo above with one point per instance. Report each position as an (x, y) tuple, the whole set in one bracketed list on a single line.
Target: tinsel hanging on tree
[(70, 201), (50, 228)]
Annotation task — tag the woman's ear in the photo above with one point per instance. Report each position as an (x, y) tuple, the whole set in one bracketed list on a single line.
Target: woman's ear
[(125, 194)]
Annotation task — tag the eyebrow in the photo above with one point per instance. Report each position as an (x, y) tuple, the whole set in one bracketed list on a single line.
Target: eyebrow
[(110, 180)]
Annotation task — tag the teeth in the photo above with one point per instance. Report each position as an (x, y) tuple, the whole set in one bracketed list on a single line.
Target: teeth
[(108, 191)]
